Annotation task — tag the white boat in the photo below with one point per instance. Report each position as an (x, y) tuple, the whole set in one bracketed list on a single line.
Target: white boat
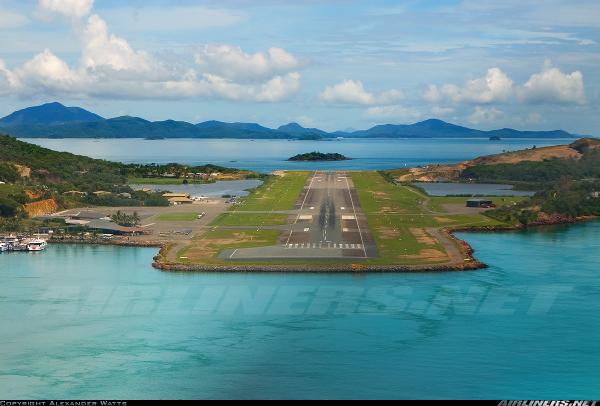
[(36, 245), (3, 246)]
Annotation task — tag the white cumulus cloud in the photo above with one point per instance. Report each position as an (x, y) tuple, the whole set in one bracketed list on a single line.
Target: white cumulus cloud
[(8, 79), (102, 49), (485, 115), (46, 72), (353, 92), (110, 67), (494, 86), (395, 112), (66, 8), (553, 86), (233, 63), (279, 88)]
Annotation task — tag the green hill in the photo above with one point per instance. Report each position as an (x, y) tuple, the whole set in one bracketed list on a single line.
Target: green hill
[(30, 173)]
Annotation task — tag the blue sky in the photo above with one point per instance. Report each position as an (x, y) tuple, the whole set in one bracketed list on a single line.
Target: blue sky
[(329, 64)]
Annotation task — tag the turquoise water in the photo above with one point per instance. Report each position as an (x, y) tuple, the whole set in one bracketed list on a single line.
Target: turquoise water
[(270, 155), (217, 189), (84, 322)]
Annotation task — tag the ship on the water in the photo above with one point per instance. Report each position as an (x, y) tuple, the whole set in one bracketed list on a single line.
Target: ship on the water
[(22, 244)]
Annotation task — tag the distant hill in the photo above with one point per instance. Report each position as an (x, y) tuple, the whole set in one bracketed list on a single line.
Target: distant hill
[(53, 120), (48, 114), (295, 128), (219, 129), (434, 128), (559, 159)]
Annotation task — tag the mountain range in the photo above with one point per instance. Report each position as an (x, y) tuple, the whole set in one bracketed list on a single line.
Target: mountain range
[(53, 120)]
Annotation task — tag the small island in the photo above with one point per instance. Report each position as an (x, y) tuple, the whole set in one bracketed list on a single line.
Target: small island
[(319, 156)]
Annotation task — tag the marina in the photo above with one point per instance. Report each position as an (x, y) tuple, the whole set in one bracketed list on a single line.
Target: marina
[(25, 243)]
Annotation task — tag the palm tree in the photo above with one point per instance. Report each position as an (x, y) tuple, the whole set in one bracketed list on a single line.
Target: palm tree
[(136, 219)]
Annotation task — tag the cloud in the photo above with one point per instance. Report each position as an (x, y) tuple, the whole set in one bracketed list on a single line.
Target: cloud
[(485, 115), (553, 86), (67, 8), (4, 79), (47, 73), (101, 49), (279, 88), (441, 111), (494, 86), (396, 112), (110, 67), (231, 62), (353, 92)]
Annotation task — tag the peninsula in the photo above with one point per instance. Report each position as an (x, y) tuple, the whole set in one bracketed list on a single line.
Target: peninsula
[(297, 221)]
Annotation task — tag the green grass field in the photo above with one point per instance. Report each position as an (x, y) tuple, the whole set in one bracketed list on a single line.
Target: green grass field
[(437, 203), (404, 221), (206, 248), (249, 219), (399, 218), (277, 193)]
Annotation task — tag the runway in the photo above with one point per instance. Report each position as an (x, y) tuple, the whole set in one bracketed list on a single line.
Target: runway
[(328, 223)]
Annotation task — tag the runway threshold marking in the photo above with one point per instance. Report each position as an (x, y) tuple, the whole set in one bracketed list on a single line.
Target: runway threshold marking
[(301, 206)]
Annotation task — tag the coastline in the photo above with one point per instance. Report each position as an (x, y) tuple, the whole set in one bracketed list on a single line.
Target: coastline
[(469, 263)]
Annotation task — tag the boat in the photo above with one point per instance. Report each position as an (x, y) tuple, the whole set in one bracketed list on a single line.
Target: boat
[(3, 246), (36, 244)]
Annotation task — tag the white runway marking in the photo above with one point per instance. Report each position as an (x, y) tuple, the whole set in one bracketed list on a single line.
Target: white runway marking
[(357, 224), (301, 206)]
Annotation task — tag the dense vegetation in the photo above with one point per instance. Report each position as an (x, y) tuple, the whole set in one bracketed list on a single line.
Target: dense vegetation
[(127, 220), (566, 187), (318, 156), (32, 173), (538, 172), (8, 173), (561, 201)]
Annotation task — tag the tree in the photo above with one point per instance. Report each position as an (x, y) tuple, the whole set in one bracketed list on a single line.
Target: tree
[(136, 219), (126, 220), (8, 207)]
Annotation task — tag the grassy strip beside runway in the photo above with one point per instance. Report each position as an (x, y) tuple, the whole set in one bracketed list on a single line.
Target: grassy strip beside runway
[(403, 220), (406, 224), (279, 192), (233, 219)]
